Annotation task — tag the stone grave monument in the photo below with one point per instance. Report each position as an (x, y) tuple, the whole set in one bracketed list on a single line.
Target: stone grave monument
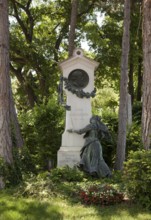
[(78, 84)]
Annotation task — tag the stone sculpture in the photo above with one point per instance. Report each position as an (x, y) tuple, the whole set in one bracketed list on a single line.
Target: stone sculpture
[(77, 87), (92, 160)]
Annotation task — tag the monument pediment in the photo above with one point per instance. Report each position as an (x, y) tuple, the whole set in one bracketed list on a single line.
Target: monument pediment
[(78, 60)]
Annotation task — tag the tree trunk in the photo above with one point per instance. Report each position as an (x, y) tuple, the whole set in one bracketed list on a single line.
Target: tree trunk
[(121, 142), (15, 125), (139, 80), (73, 22), (5, 130), (31, 97), (131, 81), (146, 111)]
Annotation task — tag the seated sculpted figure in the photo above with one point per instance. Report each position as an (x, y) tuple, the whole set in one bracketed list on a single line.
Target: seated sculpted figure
[(92, 160)]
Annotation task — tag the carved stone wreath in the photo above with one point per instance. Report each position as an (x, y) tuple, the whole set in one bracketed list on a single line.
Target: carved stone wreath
[(78, 92)]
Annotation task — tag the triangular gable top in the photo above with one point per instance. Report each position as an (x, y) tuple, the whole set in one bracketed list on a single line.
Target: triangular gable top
[(78, 56)]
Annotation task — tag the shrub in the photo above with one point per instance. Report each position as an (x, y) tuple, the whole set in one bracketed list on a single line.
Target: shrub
[(133, 138), (137, 112), (37, 187), (42, 128), (10, 172), (137, 177), (60, 182), (104, 194), (66, 174), (22, 164)]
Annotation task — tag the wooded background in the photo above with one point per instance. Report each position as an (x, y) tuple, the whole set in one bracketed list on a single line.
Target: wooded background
[(43, 33)]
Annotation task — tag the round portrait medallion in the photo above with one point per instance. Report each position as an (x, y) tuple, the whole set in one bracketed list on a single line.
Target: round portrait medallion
[(78, 79)]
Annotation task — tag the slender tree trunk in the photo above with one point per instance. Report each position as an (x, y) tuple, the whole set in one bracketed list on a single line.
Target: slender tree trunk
[(131, 81), (139, 80), (121, 143), (146, 111), (5, 130), (73, 22), (15, 125)]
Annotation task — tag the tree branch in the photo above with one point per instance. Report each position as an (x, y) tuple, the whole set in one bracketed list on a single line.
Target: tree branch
[(28, 34), (28, 4), (21, 23), (59, 40)]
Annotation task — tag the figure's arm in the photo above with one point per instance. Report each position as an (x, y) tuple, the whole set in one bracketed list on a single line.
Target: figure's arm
[(80, 131), (74, 131)]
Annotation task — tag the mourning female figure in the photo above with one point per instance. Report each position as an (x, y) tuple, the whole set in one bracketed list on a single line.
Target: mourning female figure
[(92, 160)]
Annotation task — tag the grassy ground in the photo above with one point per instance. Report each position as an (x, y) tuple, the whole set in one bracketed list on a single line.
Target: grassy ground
[(13, 208), (55, 196)]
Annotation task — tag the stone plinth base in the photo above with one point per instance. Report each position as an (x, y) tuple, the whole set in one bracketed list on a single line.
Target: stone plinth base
[(68, 156)]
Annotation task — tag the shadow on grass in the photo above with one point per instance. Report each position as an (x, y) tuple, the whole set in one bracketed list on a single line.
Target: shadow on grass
[(123, 211), (66, 207), (14, 209)]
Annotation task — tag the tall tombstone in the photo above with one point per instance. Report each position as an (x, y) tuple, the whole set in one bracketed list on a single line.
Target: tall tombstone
[(78, 84)]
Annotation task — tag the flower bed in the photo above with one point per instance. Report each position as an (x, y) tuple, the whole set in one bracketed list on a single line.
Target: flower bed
[(101, 195)]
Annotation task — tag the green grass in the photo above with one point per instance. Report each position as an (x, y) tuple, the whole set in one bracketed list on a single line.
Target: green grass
[(14, 208), (55, 197)]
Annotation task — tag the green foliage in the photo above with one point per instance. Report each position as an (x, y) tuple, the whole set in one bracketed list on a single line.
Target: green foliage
[(22, 164), (36, 32), (106, 102), (3, 169), (137, 112), (109, 146), (42, 128), (106, 42), (47, 184), (133, 140), (26, 164), (11, 172), (101, 195), (37, 187), (68, 183), (137, 177), (14, 170), (66, 174)]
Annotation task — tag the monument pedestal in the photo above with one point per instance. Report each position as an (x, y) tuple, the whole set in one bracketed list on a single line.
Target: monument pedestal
[(78, 84), (69, 152), (68, 156)]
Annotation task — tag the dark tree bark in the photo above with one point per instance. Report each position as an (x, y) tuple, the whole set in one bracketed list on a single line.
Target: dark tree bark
[(121, 142), (5, 127), (73, 21), (146, 108)]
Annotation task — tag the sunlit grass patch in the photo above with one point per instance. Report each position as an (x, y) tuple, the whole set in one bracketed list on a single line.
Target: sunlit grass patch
[(58, 208)]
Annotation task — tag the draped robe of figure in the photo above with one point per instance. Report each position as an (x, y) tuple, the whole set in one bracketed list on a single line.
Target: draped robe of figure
[(92, 160)]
